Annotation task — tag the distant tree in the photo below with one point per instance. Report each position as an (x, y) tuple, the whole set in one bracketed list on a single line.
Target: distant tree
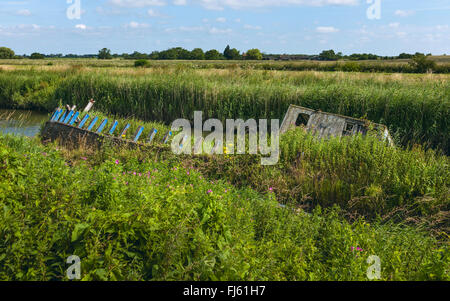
[(422, 64), (37, 56), (213, 55), (328, 55), (226, 52), (253, 54), (154, 55), (197, 54), (177, 53), (183, 54), (104, 54), (169, 54), (6, 53), (235, 54), (405, 56), (138, 56)]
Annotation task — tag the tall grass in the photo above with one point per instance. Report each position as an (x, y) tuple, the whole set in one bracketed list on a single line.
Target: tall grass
[(414, 107), (130, 218)]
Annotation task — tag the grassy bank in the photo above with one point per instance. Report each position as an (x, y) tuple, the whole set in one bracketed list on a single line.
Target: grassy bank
[(414, 107), (130, 216)]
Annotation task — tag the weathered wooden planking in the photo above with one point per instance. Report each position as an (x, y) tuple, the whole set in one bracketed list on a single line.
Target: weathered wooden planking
[(63, 116), (138, 133), (152, 135), (113, 128), (85, 118), (124, 131), (57, 115), (66, 120), (94, 121), (74, 118), (167, 137), (102, 126)]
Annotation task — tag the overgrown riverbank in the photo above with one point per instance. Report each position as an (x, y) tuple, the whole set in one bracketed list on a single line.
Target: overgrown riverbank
[(130, 216), (414, 107)]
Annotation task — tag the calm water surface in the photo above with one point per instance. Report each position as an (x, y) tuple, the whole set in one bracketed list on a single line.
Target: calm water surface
[(21, 122)]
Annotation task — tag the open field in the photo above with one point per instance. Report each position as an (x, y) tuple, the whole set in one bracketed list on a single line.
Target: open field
[(371, 66)]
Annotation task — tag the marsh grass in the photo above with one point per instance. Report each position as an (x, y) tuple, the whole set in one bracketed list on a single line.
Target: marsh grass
[(414, 107)]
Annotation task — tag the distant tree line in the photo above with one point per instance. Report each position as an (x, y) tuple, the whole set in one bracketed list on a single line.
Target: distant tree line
[(330, 55), (179, 53)]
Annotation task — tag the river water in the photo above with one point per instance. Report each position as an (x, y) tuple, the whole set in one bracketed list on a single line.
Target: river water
[(21, 122)]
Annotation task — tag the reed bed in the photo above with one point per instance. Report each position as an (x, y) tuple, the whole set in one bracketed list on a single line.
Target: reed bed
[(416, 108)]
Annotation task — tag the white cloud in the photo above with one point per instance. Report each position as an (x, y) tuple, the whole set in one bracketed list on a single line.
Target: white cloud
[(185, 29), (394, 25), (252, 27), (135, 25), (81, 26), (242, 4), (326, 29), (24, 12), (404, 13), (153, 13), (180, 2), (137, 3), (442, 27), (216, 30), (190, 29), (221, 20)]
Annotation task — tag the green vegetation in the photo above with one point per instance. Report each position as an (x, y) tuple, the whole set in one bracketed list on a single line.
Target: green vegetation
[(153, 216), (253, 54), (213, 55), (6, 53), (104, 54), (142, 63), (422, 64), (37, 56), (231, 54), (414, 107), (372, 66)]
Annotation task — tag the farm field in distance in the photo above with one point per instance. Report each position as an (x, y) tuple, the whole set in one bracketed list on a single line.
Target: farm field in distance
[(153, 215)]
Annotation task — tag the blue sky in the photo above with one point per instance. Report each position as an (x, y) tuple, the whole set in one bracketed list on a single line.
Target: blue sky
[(274, 26)]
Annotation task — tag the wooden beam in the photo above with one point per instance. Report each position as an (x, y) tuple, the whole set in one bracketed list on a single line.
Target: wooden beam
[(85, 118), (113, 128), (138, 133), (152, 135), (71, 122), (94, 121), (102, 126)]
